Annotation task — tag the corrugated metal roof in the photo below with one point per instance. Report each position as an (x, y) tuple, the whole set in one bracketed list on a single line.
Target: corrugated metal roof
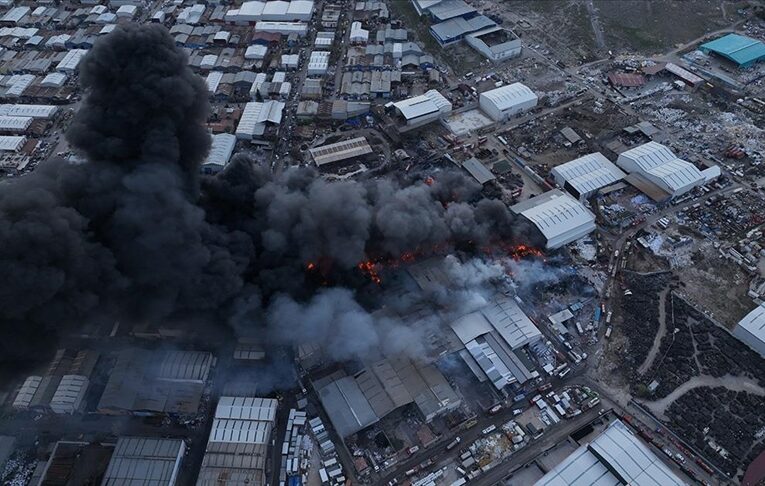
[(334, 152), (657, 160), (754, 322), (430, 102), (588, 173), (510, 95), (145, 461), (457, 27), (448, 9), (511, 322), (479, 171), (628, 80), (247, 408), (738, 48), (615, 457), (631, 460), (556, 214), (346, 406)]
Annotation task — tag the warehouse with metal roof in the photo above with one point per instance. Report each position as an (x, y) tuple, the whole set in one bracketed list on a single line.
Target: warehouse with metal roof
[(507, 101), (479, 171), (584, 176), (256, 116), (220, 153), (449, 9), (493, 338), (751, 329), (347, 407), (237, 449), (336, 152), (616, 456), (354, 403), (559, 217), (69, 394), (34, 111), (155, 382), (660, 166), (71, 60), (495, 43), (15, 124), (454, 30), (421, 110), (739, 49), (11, 143), (145, 461)]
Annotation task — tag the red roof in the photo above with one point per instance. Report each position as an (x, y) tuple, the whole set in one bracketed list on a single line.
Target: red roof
[(268, 37), (627, 80)]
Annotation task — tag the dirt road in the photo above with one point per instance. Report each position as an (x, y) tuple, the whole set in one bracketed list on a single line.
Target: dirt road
[(733, 383)]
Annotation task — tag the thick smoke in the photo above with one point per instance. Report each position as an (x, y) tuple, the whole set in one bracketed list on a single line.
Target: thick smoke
[(134, 234)]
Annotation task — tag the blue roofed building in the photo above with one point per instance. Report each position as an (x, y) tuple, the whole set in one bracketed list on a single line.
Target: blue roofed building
[(740, 49)]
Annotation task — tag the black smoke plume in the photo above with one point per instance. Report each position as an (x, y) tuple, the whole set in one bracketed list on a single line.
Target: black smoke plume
[(133, 234)]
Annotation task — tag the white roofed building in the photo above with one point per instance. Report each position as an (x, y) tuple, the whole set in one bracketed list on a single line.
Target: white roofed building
[(290, 61), (582, 177), (237, 449), (751, 329), (146, 461), (359, 35), (71, 60), (11, 143), (285, 28), (15, 124), (256, 52), (213, 80), (27, 392), (559, 217), (256, 116), (127, 11), (220, 153), (19, 84), (208, 61), (318, 63), (54, 80), (69, 395), (495, 43), (507, 101), (14, 15), (191, 15), (616, 456), (35, 111), (423, 109), (661, 167)]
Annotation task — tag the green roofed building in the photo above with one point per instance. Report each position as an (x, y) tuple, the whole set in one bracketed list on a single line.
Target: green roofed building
[(742, 50)]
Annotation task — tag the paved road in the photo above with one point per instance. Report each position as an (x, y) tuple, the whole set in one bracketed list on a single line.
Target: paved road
[(527, 454)]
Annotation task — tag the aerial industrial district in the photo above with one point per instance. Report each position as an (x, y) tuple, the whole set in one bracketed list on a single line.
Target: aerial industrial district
[(585, 307)]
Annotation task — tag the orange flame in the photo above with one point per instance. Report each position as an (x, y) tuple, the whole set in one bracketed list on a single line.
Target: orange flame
[(369, 268)]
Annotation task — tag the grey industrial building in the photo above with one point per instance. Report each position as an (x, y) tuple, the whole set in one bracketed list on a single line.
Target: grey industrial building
[(356, 402), (614, 457), (494, 338), (237, 449), (559, 217), (156, 382), (751, 329), (145, 460)]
